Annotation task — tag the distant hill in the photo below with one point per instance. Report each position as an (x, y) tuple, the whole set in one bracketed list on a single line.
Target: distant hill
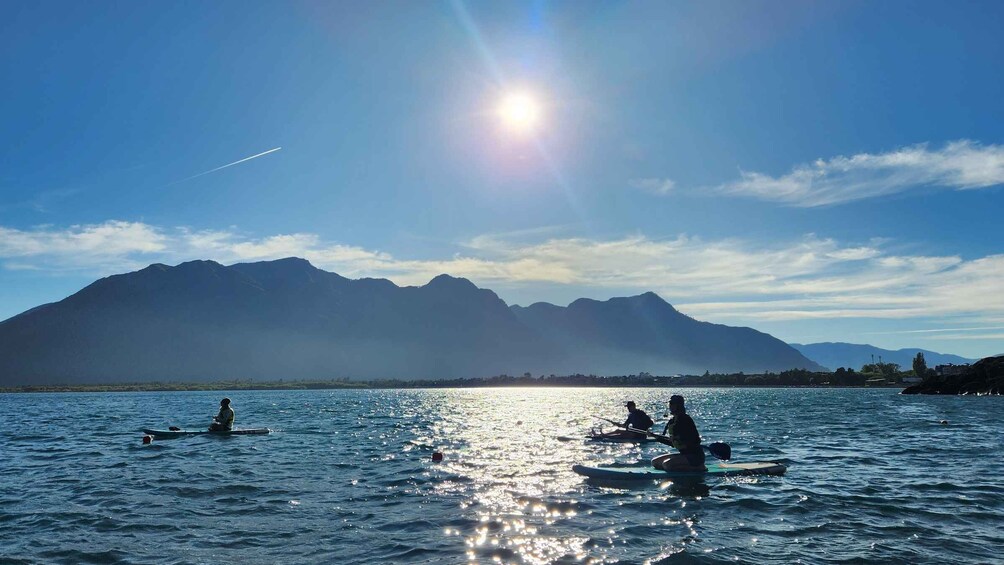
[(854, 356), (201, 321), (646, 331)]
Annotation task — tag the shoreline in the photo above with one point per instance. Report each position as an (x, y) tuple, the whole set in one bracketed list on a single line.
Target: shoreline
[(417, 385)]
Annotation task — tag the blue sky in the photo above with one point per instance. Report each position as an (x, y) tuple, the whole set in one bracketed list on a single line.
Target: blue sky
[(822, 171)]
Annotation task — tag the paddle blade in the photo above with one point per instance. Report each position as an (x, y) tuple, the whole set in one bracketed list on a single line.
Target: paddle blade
[(720, 450)]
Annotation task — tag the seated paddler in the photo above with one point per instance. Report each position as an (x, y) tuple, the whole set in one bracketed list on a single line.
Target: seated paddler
[(224, 421), (637, 420), (681, 433)]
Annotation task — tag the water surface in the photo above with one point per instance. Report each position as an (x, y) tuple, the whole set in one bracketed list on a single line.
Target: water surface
[(347, 478)]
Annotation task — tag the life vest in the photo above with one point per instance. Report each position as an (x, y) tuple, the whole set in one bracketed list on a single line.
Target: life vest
[(675, 440)]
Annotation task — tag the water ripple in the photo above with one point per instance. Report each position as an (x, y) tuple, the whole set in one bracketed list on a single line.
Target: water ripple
[(348, 478)]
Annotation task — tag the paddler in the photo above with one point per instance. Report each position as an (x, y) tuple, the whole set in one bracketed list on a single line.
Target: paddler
[(637, 420), (682, 434), (224, 421)]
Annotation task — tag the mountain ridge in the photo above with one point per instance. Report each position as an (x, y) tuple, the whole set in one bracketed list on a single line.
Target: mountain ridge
[(201, 320), (853, 355)]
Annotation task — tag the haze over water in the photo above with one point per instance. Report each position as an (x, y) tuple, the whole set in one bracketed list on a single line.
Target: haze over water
[(347, 477)]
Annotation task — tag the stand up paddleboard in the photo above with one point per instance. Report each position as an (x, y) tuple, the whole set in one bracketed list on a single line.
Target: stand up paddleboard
[(164, 434), (605, 439), (650, 473)]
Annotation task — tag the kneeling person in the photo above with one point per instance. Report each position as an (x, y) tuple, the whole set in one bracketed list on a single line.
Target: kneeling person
[(682, 433)]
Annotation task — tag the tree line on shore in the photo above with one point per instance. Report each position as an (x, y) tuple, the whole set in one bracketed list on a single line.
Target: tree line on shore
[(873, 374)]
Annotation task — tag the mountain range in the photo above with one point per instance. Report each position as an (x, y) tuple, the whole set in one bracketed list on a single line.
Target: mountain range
[(854, 356), (286, 319)]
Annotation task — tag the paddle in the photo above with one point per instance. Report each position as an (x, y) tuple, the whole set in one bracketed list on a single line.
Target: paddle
[(718, 450), (618, 424)]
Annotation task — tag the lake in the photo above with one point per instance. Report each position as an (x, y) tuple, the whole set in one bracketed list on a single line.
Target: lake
[(348, 477)]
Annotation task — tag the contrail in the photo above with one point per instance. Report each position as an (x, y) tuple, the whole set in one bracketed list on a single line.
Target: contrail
[(227, 165)]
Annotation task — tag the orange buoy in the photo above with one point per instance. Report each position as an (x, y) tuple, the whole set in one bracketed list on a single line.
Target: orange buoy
[(437, 456)]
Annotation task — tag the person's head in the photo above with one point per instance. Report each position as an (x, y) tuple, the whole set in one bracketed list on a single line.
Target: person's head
[(225, 402), (630, 406), (676, 405)]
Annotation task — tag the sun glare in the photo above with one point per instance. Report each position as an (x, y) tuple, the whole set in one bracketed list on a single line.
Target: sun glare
[(519, 112)]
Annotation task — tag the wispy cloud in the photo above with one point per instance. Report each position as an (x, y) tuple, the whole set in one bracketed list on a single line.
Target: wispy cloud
[(724, 280), (653, 185), (959, 165), (527, 234), (43, 200), (970, 337), (225, 166), (100, 248), (938, 330)]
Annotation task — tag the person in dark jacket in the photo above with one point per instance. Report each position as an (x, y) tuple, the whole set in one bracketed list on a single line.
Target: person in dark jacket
[(682, 434), (224, 421), (637, 419)]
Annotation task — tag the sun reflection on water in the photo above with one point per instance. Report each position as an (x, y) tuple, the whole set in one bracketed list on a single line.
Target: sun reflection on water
[(510, 477)]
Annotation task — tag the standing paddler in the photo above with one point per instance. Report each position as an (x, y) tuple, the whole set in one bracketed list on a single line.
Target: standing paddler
[(224, 421), (681, 433)]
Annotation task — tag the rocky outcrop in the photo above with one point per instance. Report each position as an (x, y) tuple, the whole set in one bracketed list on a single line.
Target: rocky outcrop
[(986, 376)]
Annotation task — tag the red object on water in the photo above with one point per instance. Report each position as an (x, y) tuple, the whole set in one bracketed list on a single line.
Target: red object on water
[(147, 439), (437, 456)]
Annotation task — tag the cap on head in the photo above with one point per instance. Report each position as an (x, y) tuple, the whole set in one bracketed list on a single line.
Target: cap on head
[(225, 402), (630, 404)]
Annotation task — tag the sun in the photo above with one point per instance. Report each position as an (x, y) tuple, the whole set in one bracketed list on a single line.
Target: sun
[(519, 112)]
